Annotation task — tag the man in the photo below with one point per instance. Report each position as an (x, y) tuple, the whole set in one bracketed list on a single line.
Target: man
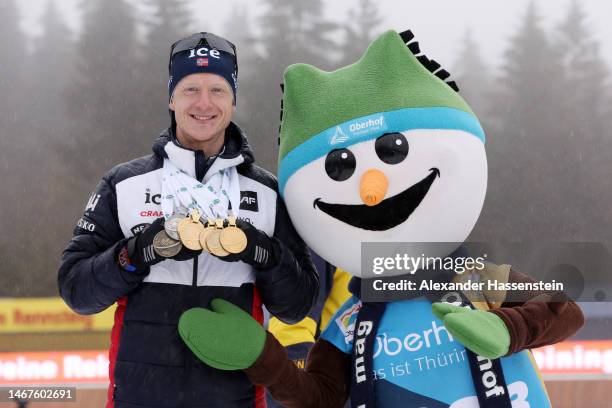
[(114, 256)]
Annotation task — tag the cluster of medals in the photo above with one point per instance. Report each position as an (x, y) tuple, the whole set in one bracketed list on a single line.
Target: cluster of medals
[(219, 236)]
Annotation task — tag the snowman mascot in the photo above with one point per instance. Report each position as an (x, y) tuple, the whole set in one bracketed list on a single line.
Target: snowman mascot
[(384, 150)]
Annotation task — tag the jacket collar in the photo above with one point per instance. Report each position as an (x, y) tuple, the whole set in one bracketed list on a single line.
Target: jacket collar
[(235, 151)]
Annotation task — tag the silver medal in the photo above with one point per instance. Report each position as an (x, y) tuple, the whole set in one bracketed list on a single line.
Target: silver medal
[(171, 226), (165, 246)]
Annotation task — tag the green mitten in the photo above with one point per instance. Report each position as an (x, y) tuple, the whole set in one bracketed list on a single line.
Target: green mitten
[(226, 338), (482, 332)]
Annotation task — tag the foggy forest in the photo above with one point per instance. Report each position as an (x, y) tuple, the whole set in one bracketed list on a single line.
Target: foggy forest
[(73, 106)]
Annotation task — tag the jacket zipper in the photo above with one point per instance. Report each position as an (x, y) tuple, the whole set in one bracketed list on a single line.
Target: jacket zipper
[(195, 271)]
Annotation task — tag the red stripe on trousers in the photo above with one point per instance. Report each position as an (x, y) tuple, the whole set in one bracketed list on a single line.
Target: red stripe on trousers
[(114, 348), (257, 313)]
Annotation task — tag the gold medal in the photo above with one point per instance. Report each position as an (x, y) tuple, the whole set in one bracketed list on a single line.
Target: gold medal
[(181, 225), (232, 238), (189, 231), (210, 227), (212, 241)]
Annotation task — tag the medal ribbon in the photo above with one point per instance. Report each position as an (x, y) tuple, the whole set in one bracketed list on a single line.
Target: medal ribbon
[(213, 199)]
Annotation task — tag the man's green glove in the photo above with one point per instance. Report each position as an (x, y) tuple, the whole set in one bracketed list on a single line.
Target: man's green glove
[(482, 332), (226, 337)]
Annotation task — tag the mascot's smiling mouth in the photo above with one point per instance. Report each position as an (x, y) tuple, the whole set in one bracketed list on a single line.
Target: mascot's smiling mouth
[(389, 213)]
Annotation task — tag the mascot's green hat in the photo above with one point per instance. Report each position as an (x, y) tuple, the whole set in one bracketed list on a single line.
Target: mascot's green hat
[(388, 90)]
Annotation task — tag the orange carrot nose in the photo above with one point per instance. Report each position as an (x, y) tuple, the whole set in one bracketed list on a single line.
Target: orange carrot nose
[(373, 187)]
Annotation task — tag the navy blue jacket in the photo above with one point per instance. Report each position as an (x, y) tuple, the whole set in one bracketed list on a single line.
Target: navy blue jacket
[(150, 365)]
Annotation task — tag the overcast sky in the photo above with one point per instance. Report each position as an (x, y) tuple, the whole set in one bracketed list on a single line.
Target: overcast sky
[(439, 25)]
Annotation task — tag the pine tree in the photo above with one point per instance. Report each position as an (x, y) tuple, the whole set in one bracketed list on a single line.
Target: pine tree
[(473, 76), (588, 144), (586, 71), (524, 146), (105, 93), (360, 29), (291, 31), (529, 75), (57, 46), (295, 31), (169, 21), (12, 47), (241, 34), (49, 73), (14, 142), (103, 99)]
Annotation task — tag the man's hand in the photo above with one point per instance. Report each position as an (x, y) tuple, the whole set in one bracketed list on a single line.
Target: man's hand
[(482, 332), (261, 250), (140, 248), (226, 338)]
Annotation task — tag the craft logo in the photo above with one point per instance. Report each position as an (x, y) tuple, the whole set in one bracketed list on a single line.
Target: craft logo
[(338, 137), (93, 201), (368, 125), (151, 213), (346, 322), (202, 62), (248, 201)]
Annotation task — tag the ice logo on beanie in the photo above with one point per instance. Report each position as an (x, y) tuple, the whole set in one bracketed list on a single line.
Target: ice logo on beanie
[(204, 52)]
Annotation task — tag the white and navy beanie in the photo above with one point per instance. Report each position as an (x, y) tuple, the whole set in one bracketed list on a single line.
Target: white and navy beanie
[(203, 58)]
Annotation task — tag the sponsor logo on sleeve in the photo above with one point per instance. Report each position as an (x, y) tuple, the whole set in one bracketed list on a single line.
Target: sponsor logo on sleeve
[(86, 225), (92, 203)]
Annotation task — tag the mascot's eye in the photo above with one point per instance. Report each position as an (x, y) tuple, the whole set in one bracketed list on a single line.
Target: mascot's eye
[(340, 164), (391, 148)]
